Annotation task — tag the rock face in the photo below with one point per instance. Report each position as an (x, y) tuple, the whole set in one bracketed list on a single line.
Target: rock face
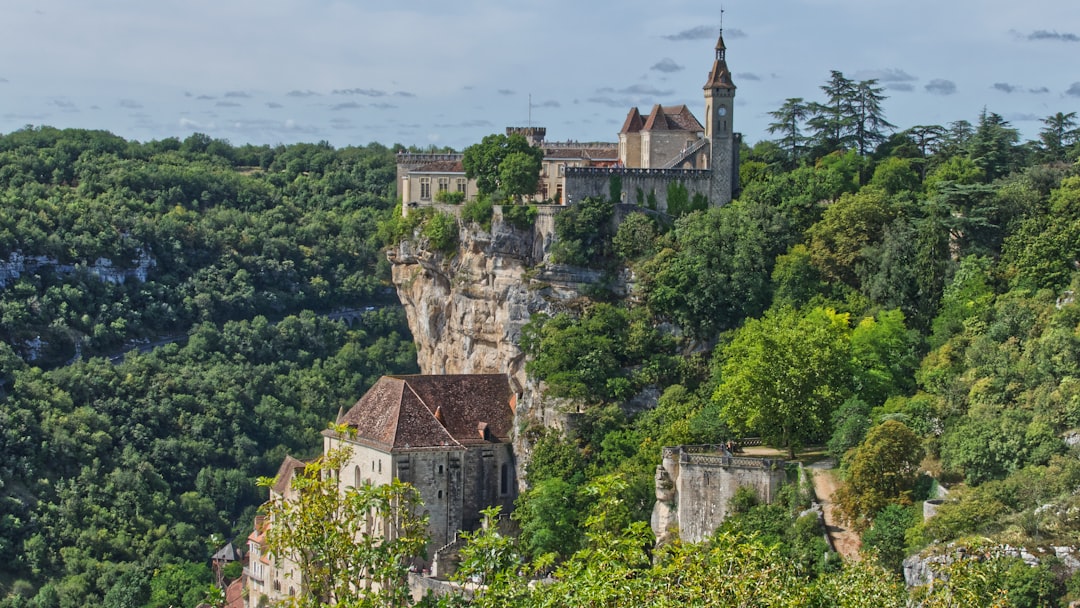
[(466, 309)]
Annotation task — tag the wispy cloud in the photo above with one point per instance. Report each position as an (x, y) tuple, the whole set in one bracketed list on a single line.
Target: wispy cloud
[(466, 124), (1053, 35), (904, 87), (506, 92), (404, 94), (1073, 90), (237, 94), (298, 93), (205, 97), (227, 104), (747, 76), (348, 105), (364, 92), (1039, 90), (382, 105), (548, 103), (666, 65), (129, 104), (273, 105), (65, 105), (637, 89), (940, 86), (885, 75), (1005, 87)]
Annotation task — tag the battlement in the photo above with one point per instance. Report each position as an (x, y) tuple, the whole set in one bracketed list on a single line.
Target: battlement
[(674, 174), (423, 158)]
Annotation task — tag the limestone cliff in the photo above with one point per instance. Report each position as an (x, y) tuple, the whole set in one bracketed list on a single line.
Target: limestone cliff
[(466, 309)]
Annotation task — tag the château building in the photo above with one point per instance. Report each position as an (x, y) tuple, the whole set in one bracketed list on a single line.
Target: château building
[(666, 149), (447, 435)]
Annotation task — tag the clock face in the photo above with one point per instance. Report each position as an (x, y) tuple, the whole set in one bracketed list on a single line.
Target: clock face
[(722, 111)]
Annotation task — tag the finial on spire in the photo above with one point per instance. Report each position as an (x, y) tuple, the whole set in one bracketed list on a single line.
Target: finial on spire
[(721, 19)]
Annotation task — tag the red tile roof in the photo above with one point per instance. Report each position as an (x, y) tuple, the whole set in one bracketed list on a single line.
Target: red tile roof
[(433, 411), (662, 118)]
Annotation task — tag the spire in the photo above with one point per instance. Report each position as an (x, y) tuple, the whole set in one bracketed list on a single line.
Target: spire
[(719, 76)]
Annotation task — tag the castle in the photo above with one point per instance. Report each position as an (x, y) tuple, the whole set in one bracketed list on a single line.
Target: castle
[(665, 149)]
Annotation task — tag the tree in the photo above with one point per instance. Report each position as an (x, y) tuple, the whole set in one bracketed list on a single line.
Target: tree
[(846, 228), (783, 375), (1058, 136), (882, 471), (993, 146), (506, 163), (869, 119), (348, 544), (832, 121), (788, 119)]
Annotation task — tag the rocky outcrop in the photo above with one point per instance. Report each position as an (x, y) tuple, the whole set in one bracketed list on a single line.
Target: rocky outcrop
[(466, 309)]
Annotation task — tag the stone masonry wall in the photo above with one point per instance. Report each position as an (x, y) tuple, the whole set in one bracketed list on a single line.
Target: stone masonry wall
[(591, 181)]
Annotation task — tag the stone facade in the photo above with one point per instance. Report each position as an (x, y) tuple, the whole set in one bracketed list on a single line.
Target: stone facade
[(695, 485), (669, 143)]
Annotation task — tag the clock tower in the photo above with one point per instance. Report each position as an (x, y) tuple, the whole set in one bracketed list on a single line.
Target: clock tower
[(719, 106)]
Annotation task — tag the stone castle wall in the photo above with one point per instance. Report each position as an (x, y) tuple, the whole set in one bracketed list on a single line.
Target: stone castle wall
[(695, 485), (637, 184)]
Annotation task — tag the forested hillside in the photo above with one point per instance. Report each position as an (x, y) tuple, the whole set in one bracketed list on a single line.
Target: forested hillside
[(119, 478)]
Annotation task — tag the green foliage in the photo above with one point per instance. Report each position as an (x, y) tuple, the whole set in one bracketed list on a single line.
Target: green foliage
[(179, 585), (635, 237), (450, 197), (506, 163), (615, 188), (881, 471), (479, 211), (583, 233), (522, 217), (441, 230), (678, 199), (549, 519), (850, 423), (332, 535), (886, 537), (783, 375), (896, 175)]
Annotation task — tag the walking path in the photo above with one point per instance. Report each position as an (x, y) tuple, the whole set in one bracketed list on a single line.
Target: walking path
[(845, 541)]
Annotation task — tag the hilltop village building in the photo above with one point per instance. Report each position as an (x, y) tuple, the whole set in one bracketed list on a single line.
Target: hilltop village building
[(655, 151), (447, 435)]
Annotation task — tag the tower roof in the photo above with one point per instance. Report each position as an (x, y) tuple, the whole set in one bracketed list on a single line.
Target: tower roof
[(720, 76), (668, 118), (633, 122)]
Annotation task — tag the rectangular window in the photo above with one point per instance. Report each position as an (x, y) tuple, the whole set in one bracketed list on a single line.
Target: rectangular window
[(425, 188), (444, 184), (562, 169), (462, 185)]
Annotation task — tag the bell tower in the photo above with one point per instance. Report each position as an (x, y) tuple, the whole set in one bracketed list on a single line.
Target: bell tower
[(719, 128)]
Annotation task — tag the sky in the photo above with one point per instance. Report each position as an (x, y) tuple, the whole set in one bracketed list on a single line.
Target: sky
[(440, 73)]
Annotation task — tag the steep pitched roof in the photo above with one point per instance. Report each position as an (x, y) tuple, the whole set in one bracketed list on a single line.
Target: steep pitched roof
[(440, 166), (285, 474), (433, 411), (672, 118), (633, 122), (228, 553)]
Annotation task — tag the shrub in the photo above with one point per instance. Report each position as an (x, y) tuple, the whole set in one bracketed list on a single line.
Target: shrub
[(478, 210), (449, 197), (441, 231), (522, 217)]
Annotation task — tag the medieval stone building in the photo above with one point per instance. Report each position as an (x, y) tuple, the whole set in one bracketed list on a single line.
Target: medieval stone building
[(666, 151), (447, 435)]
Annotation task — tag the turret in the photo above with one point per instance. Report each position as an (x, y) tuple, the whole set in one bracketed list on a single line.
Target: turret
[(719, 127)]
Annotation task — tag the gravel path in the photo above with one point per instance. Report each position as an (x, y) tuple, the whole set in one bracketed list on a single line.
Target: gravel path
[(847, 542)]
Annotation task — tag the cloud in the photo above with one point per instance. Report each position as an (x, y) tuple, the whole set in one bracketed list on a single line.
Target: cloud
[(666, 65), (1005, 87), (637, 89), (227, 104), (700, 32), (611, 102), (130, 104), (364, 92), (187, 123), (65, 105), (550, 103), (1053, 35), (940, 86), (905, 87), (1073, 90), (1038, 90), (341, 123), (237, 94), (348, 105), (382, 105), (404, 94), (1021, 117), (468, 124), (885, 75), (206, 97), (3, 80), (297, 93), (505, 92), (273, 105), (747, 76)]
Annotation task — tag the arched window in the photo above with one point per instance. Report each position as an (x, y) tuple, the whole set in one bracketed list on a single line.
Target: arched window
[(357, 477)]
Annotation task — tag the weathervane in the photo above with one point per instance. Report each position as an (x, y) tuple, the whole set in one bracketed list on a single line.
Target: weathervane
[(721, 19)]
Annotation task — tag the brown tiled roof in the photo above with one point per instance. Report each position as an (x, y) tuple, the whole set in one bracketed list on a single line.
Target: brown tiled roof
[(672, 118), (633, 122), (285, 474), (234, 594), (441, 166), (433, 411)]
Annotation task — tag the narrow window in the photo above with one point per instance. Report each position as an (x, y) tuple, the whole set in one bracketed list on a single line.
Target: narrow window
[(462, 185), (504, 479), (440, 494), (444, 184), (440, 469), (357, 478), (380, 465), (425, 188)]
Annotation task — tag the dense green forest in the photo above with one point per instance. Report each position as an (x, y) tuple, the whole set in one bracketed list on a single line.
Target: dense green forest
[(118, 478), (902, 300)]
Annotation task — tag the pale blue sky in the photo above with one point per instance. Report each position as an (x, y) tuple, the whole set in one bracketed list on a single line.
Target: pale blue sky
[(447, 73)]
